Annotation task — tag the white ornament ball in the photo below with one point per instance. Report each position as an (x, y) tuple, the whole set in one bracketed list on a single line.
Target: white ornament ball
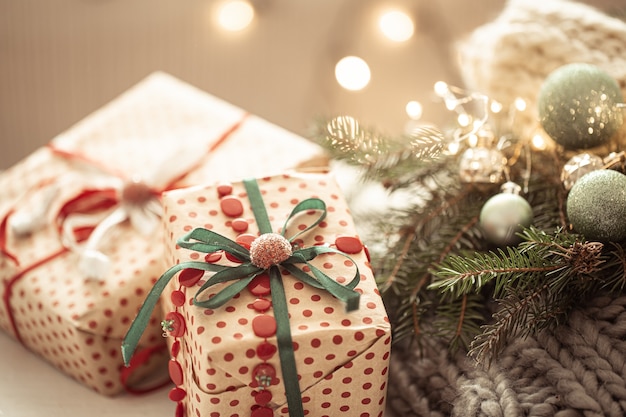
[(503, 216)]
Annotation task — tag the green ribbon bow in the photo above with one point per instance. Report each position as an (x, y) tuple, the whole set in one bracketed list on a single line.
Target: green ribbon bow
[(206, 241)]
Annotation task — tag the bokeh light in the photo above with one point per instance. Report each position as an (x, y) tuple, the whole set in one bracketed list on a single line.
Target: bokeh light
[(414, 109), (352, 73), (235, 15), (396, 26)]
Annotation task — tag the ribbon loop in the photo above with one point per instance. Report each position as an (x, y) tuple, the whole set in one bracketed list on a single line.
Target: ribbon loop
[(305, 206), (207, 241)]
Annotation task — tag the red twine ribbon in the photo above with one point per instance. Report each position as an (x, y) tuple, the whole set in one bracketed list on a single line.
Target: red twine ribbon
[(3, 239), (88, 200)]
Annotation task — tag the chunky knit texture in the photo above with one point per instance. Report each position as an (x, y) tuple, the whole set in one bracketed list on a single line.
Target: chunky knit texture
[(579, 369), (511, 56)]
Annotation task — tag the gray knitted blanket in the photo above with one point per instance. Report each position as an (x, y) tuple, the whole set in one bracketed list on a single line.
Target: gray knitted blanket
[(577, 370)]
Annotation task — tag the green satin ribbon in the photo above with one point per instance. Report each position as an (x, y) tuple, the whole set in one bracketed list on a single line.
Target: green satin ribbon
[(206, 241)]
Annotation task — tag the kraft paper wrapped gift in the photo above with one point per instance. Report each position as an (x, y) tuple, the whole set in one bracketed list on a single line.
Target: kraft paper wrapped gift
[(77, 242), (224, 359)]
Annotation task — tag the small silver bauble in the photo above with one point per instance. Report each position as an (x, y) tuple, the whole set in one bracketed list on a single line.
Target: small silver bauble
[(482, 165), (578, 166)]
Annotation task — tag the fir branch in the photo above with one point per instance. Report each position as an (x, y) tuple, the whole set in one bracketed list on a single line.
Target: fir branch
[(515, 318), (383, 157), (415, 304), (461, 275), (615, 278), (409, 235), (466, 313), (445, 226), (534, 284), (407, 238)]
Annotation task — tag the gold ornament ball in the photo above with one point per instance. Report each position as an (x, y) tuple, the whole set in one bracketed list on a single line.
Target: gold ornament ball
[(596, 206), (577, 106)]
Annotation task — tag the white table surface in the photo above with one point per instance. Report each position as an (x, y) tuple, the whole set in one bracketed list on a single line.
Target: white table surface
[(30, 387)]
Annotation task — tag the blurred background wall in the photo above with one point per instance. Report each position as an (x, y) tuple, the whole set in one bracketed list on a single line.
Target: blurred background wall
[(62, 59)]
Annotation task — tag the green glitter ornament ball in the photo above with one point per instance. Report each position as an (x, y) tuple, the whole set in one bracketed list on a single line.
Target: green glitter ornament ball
[(577, 106), (503, 216), (596, 206)]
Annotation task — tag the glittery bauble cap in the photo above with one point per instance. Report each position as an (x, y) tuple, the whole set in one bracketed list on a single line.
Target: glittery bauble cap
[(269, 249), (577, 106)]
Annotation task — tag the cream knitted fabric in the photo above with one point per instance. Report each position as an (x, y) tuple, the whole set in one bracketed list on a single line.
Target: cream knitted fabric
[(512, 55)]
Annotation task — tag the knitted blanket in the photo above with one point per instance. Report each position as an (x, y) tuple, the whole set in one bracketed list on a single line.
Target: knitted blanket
[(511, 56), (579, 369)]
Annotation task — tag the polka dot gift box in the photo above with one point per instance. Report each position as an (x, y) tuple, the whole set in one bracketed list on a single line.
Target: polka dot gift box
[(270, 307), (78, 251)]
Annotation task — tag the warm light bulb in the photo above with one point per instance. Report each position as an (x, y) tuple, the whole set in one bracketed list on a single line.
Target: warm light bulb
[(441, 88), (453, 148), (539, 142), (396, 25), (235, 15), (520, 104), (496, 107), (414, 109), (352, 73), (463, 119)]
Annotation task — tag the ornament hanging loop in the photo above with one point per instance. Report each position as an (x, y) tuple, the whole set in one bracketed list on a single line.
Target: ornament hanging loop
[(510, 187)]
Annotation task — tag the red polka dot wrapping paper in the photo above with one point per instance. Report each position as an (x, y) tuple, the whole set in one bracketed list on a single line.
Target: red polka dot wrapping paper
[(341, 357), (75, 323)]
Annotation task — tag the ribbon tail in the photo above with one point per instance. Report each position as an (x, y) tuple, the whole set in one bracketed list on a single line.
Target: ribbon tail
[(285, 345), (145, 219), (26, 220), (302, 276), (154, 206), (347, 294), (243, 273), (139, 324), (76, 222), (93, 263), (3, 240)]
